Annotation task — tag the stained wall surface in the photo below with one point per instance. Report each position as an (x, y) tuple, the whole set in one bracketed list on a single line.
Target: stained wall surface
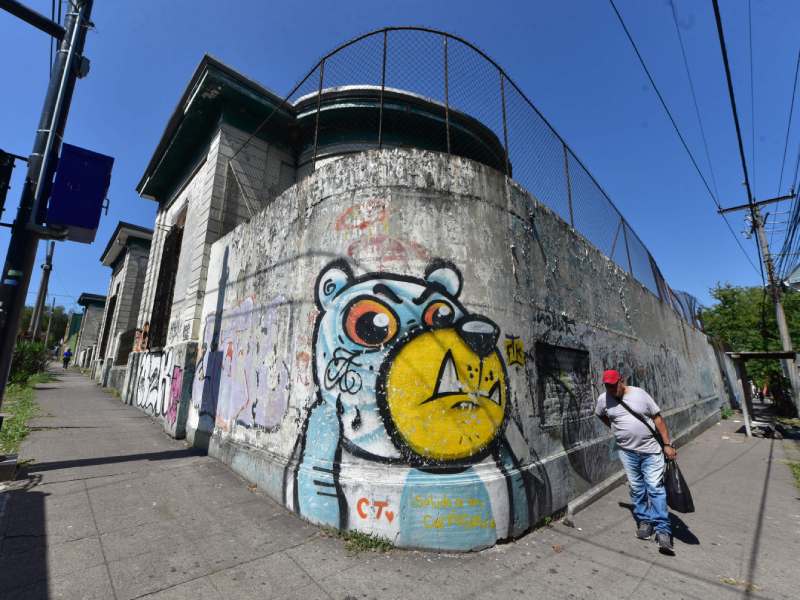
[(408, 344), (215, 198), (90, 326)]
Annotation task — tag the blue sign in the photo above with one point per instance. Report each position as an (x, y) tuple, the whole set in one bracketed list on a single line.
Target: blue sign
[(79, 190)]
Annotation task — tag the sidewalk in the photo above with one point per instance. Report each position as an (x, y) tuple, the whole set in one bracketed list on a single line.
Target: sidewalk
[(112, 508)]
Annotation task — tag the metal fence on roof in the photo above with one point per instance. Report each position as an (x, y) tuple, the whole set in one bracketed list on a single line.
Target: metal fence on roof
[(453, 73)]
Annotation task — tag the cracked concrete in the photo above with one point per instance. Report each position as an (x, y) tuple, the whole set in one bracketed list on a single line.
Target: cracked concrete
[(121, 511)]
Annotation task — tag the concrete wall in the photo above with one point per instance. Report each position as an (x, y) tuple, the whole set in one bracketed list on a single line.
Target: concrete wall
[(218, 196), (90, 326), (408, 344), (159, 383)]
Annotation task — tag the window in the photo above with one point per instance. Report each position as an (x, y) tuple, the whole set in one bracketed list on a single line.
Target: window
[(165, 286)]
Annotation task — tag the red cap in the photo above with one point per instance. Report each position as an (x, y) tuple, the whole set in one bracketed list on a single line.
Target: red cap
[(611, 376)]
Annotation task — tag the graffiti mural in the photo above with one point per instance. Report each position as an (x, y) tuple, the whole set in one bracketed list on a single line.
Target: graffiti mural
[(408, 377), (160, 386), (243, 379)]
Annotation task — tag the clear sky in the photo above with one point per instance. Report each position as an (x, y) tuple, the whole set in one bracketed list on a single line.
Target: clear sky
[(570, 57)]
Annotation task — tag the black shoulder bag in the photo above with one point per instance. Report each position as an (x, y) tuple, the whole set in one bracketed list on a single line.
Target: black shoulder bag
[(679, 497)]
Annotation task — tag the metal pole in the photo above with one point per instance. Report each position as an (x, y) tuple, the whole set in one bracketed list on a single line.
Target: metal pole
[(446, 93), (627, 248), (789, 366), (49, 324), (505, 127), (316, 122), (741, 371), (569, 186), (38, 308), (614, 243), (383, 87), (21, 255)]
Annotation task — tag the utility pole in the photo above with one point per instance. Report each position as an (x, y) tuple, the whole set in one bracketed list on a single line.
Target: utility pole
[(26, 230), (41, 298), (49, 324), (789, 366)]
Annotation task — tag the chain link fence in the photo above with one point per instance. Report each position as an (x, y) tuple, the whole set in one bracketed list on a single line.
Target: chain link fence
[(461, 85)]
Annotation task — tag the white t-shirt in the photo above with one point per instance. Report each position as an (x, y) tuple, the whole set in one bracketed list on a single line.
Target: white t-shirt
[(630, 432)]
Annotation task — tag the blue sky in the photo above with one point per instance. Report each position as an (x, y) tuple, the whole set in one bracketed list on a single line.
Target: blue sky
[(571, 58)]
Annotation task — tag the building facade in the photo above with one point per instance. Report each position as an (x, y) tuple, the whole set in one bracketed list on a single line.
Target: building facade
[(93, 308), (126, 254), (391, 337)]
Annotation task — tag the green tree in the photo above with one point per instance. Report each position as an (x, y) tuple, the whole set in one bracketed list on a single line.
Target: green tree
[(744, 318), (60, 318)]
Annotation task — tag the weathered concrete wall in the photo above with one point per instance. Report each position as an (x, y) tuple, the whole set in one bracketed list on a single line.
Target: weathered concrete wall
[(159, 383), (406, 343), (90, 326), (217, 197)]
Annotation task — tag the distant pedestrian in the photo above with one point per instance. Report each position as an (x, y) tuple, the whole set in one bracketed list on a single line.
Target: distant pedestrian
[(67, 357), (640, 452)]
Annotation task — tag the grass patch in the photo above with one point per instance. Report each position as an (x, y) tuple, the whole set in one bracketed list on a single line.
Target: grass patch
[(356, 541), (789, 422), (21, 407), (41, 378), (795, 467), (725, 412)]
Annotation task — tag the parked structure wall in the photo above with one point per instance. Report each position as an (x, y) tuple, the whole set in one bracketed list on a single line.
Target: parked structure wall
[(117, 331), (407, 343), (90, 327), (210, 203)]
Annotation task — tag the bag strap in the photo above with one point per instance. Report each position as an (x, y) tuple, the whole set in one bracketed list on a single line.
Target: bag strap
[(656, 435)]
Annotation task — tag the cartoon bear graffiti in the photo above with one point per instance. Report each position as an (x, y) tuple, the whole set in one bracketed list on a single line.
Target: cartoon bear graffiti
[(407, 436)]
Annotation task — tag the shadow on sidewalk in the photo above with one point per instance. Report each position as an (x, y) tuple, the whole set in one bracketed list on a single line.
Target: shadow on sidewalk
[(680, 530), (23, 543), (104, 460)]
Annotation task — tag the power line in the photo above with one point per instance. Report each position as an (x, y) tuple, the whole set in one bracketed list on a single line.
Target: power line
[(752, 91), (680, 136), (789, 126), (729, 81), (694, 97)]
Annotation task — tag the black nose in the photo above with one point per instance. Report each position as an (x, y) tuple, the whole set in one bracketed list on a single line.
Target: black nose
[(480, 334)]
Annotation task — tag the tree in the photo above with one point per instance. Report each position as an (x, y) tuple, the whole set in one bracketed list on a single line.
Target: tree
[(744, 318), (60, 318)]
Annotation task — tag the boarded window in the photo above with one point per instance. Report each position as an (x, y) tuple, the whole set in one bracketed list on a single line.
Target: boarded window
[(165, 287), (112, 305), (564, 384)]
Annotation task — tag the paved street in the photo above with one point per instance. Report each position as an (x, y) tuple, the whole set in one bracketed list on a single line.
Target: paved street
[(112, 508)]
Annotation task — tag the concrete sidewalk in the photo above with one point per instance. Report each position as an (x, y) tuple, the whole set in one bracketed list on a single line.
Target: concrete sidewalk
[(112, 508)]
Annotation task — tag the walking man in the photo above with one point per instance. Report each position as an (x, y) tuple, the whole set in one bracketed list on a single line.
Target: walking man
[(626, 409), (67, 357)]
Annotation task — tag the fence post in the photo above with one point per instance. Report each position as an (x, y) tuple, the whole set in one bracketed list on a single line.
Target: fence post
[(319, 102), (446, 93), (505, 126), (383, 87), (627, 248), (569, 187), (614, 243)]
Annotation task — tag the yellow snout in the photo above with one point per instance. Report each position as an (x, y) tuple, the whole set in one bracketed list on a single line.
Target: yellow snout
[(446, 403)]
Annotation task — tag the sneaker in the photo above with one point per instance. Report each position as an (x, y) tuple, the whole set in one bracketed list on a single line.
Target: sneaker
[(664, 543), (645, 530)]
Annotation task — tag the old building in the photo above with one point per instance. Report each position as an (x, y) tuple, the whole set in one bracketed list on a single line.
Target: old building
[(93, 307), (126, 254), (389, 307)]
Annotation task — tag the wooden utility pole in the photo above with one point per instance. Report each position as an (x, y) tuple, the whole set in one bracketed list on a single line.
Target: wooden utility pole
[(789, 364), (41, 298)]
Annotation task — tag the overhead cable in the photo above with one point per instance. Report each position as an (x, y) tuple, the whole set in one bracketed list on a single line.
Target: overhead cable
[(680, 136)]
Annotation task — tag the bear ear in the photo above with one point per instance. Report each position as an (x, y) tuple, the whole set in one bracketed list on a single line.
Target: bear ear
[(445, 274), (332, 279)]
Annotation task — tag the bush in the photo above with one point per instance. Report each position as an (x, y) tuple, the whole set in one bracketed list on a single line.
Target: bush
[(29, 358)]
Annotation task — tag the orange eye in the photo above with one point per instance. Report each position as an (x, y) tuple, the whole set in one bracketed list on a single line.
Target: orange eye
[(370, 323), (438, 314)]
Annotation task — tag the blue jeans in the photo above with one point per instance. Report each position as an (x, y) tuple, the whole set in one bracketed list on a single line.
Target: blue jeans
[(646, 477)]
